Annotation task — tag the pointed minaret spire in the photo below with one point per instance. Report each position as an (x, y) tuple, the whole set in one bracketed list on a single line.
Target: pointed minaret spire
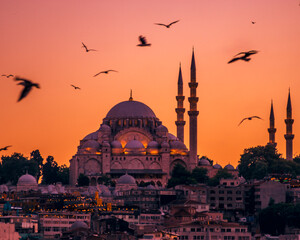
[(289, 136), (180, 109), (193, 114), (272, 128), (130, 98)]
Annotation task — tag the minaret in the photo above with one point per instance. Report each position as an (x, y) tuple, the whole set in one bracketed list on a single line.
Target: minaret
[(180, 109), (289, 136), (193, 113), (272, 129)]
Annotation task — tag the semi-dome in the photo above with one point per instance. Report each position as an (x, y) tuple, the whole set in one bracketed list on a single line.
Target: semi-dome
[(171, 137), (126, 179), (105, 128), (116, 144), (217, 166), (203, 162), (78, 225), (134, 144), (27, 179), (130, 109), (165, 145), (161, 128), (229, 167), (153, 144), (91, 144), (91, 136), (177, 145)]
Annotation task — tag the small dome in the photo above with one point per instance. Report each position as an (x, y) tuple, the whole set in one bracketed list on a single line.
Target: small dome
[(126, 179), (79, 225), (91, 136), (203, 162), (153, 144), (150, 186), (172, 137), (134, 144), (161, 128), (104, 128), (177, 145), (91, 144), (217, 166), (165, 145), (106, 144), (229, 167), (116, 144), (3, 188), (27, 179)]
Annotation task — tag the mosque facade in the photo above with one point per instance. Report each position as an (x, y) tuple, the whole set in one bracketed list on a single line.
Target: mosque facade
[(132, 140)]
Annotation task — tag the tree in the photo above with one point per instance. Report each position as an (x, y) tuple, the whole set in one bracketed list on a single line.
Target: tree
[(63, 174), (200, 175), (50, 171), (261, 161), (83, 180), (180, 176), (16, 165), (106, 180), (36, 156), (221, 174)]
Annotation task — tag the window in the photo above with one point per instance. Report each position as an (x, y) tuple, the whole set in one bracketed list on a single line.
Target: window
[(229, 199), (212, 192), (221, 192), (192, 229), (229, 192)]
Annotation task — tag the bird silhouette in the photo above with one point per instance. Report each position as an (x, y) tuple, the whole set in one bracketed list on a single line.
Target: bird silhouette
[(249, 118), (167, 25), (106, 72), (143, 42), (27, 84), (87, 49), (5, 148), (244, 57), (253, 22), (8, 76), (75, 87)]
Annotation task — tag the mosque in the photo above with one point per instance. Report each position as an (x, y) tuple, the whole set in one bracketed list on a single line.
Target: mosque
[(132, 141)]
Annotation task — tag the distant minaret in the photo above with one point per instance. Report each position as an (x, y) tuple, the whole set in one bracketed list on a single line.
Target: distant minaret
[(272, 129), (180, 109), (130, 98), (193, 113), (289, 136)]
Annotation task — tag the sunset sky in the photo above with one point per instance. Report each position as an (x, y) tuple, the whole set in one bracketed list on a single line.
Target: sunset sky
[(41, 41)]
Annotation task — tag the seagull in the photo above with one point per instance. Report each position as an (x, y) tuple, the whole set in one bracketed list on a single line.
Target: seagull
[(167, 25), (253, 22), (249, 118), (143, 42), (106, 72), (86, 49), (5, 148), (245, 57), (75, 87), (27, 87), (8, 76)]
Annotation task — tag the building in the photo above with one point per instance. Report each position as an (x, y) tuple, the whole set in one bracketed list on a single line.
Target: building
[(131, 139)]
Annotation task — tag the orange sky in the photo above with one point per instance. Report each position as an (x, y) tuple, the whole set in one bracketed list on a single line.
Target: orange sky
[(41, 41)]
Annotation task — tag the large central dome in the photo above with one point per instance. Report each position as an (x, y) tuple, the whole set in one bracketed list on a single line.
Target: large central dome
[(130, 109)]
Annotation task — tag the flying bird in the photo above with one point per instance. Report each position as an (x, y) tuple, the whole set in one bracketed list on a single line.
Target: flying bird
[(106, 72), (5, 148), (8, 76), (143, 42), (87, 49), (249, 118), (167, 25), (244, 57), (253, 22), (27, 84), (75, 87)]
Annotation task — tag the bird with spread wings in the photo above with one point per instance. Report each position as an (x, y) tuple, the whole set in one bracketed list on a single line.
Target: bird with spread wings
[(87, 49), (5, 148), (105, 72), (244, 57), (75, 87), (143, 41), (27, 87), (249, 118), (167, 25)]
